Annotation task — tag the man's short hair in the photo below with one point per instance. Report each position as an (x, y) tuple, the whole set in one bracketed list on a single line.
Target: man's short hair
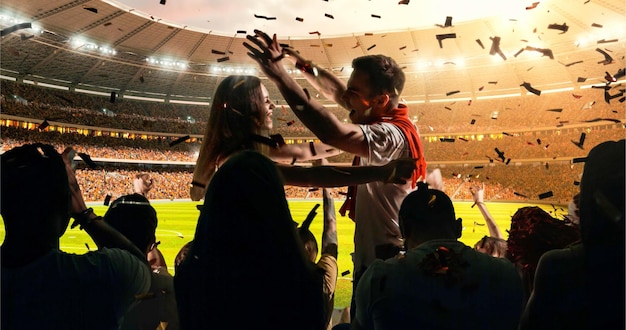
[(134, 217), (386, 76)]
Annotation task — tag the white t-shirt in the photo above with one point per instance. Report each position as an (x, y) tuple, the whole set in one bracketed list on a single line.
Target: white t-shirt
[(378, 203), (68, 291)]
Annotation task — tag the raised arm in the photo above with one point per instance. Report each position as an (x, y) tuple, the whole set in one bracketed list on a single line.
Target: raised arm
[(397, 171), (101, 233), (330, 244), (324, 81), (478, 196)]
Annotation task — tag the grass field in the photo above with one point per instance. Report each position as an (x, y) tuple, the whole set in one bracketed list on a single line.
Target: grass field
[(177, 223)]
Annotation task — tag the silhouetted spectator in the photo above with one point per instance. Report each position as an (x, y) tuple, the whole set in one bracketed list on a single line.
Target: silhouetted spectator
[(582, 286), (247, 268), (43, 287), (439, 283), (134, 217)]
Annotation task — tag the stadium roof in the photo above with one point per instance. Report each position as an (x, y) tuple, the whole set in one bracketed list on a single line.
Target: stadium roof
[(109, 46)]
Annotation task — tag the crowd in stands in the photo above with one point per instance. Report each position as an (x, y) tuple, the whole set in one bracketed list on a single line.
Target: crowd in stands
[(486, 115), (105, 146), (546, 145), (528, 180)]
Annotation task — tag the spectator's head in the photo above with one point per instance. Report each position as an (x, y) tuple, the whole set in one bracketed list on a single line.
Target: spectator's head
[(385, 75), (427, 214), (134, 217), (493, 246), (602, 195), (308, 241), (240, 110), (374, 87), (35, 200)]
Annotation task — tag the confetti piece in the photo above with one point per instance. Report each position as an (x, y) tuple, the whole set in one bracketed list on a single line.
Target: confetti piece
[(561, 27), (180, 140), (265, 17), (607, 58), (370, 47), (500, 153), (441, 37), (605, 41), (43, 125), (530, 88), (581, 141), (495, 47), (107, 200), (546, 195), (312, 148), (347, 272), (533, 6), (87, 159), (329, 16)]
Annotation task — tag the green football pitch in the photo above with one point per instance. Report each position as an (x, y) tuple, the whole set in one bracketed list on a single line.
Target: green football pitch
[(177, 223)]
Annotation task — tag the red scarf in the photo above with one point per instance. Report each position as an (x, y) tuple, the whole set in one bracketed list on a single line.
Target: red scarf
[(399, 117)]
